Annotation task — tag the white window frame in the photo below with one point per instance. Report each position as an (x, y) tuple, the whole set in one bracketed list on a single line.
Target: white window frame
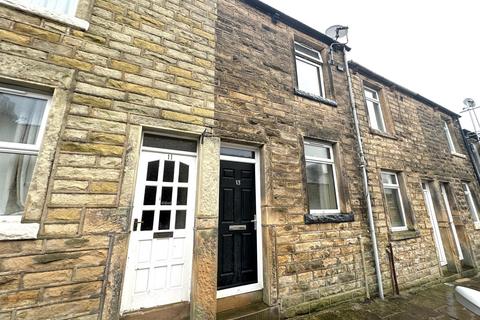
[(69, 19), (316, 62), (451, 145), (372, 117), (330, 161), (398, 188), (471, 204), (20, 148)]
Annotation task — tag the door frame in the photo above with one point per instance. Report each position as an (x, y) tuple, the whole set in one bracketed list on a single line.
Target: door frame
[(258, 224), (437, 237), (144, 150)]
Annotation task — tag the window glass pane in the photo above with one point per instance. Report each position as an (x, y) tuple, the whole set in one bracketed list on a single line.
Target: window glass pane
[(394, 208), (451, 146), (164, 220), (152, 170), (371, 94), (168, 171), (321, 186), (389, 178), (166, 198), (182, 196), (15, 174), (308, 78), (225, 151), (156, 141), (471, 201), (308, 52), (180, 219), (316, 151), (60, 6), (183, 173), (20, 118), (150, 195), (147, 220), (378, 117)]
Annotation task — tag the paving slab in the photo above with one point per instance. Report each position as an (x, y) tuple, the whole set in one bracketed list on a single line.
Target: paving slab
[(435, 302)]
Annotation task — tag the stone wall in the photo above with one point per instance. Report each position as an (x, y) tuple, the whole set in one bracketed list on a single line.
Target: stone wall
[(140, 64)]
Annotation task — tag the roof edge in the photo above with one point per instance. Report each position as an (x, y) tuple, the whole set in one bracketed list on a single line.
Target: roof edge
[(291, 22), (375, 76)]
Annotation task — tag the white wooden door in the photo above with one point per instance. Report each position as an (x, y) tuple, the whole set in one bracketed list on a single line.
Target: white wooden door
[(161, 240), (453, 229), (433, 219)]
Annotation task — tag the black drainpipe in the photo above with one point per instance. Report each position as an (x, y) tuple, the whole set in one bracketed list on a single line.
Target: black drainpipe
[(469, 148)]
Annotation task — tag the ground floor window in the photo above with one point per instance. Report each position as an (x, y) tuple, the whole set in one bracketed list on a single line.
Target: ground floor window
[(22, 123)]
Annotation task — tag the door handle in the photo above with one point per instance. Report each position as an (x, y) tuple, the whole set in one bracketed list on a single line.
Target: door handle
[(254, 222), (136, 223)]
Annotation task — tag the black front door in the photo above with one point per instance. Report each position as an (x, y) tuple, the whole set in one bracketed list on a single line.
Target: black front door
[(237, 236)]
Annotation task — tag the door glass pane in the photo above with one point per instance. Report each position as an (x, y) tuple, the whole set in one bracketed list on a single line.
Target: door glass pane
[(15, 175), (182, 196), (317, 151), (180, 218), (183, 172), (168, 171), (164, 220), (166, 198), (321, 186), (20, 118), (394, 207), (308, 77), (156, 141), (150, 195), (152, 170), (147, 220)]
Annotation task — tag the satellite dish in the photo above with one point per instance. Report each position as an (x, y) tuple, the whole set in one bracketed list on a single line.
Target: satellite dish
[(337, 31), (469, 103)]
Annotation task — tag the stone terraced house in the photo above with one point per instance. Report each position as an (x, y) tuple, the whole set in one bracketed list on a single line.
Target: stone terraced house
[(198, 159)]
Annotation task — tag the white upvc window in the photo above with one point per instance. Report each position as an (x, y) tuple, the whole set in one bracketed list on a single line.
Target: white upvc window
[(23, 116), (66, 7), (63, 11), (394, 203), (322, 187), (375, 114), (309, 70), (471, 204), (451, 145)]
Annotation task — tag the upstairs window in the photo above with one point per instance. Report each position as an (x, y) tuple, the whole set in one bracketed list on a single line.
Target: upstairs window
[(472, 204), (374, 108), (451, 145), (309, 70), (22, 123), (394, 203), (322, 187), (63, 7)]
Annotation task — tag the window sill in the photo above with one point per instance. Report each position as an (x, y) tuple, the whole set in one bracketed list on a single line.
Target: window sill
[(383, 134), (16, 230), (404, 235), (307, 95), (62, 18), (328, 218), (459, 155)]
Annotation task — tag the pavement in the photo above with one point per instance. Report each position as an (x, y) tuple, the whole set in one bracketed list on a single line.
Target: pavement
[(436, 302)]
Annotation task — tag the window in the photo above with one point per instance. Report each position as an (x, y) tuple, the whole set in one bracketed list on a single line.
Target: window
[(393, 197), (65, 7), (374, 108), (309, 70), (321, 179), (472, 205), (451, 145), (22, 123)]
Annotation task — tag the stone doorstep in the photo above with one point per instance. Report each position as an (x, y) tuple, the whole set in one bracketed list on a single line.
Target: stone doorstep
[(177, 311), (239, 301), (255, 311)]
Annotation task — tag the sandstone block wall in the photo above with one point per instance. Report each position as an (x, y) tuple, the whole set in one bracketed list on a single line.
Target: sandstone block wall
[(140, 64)]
